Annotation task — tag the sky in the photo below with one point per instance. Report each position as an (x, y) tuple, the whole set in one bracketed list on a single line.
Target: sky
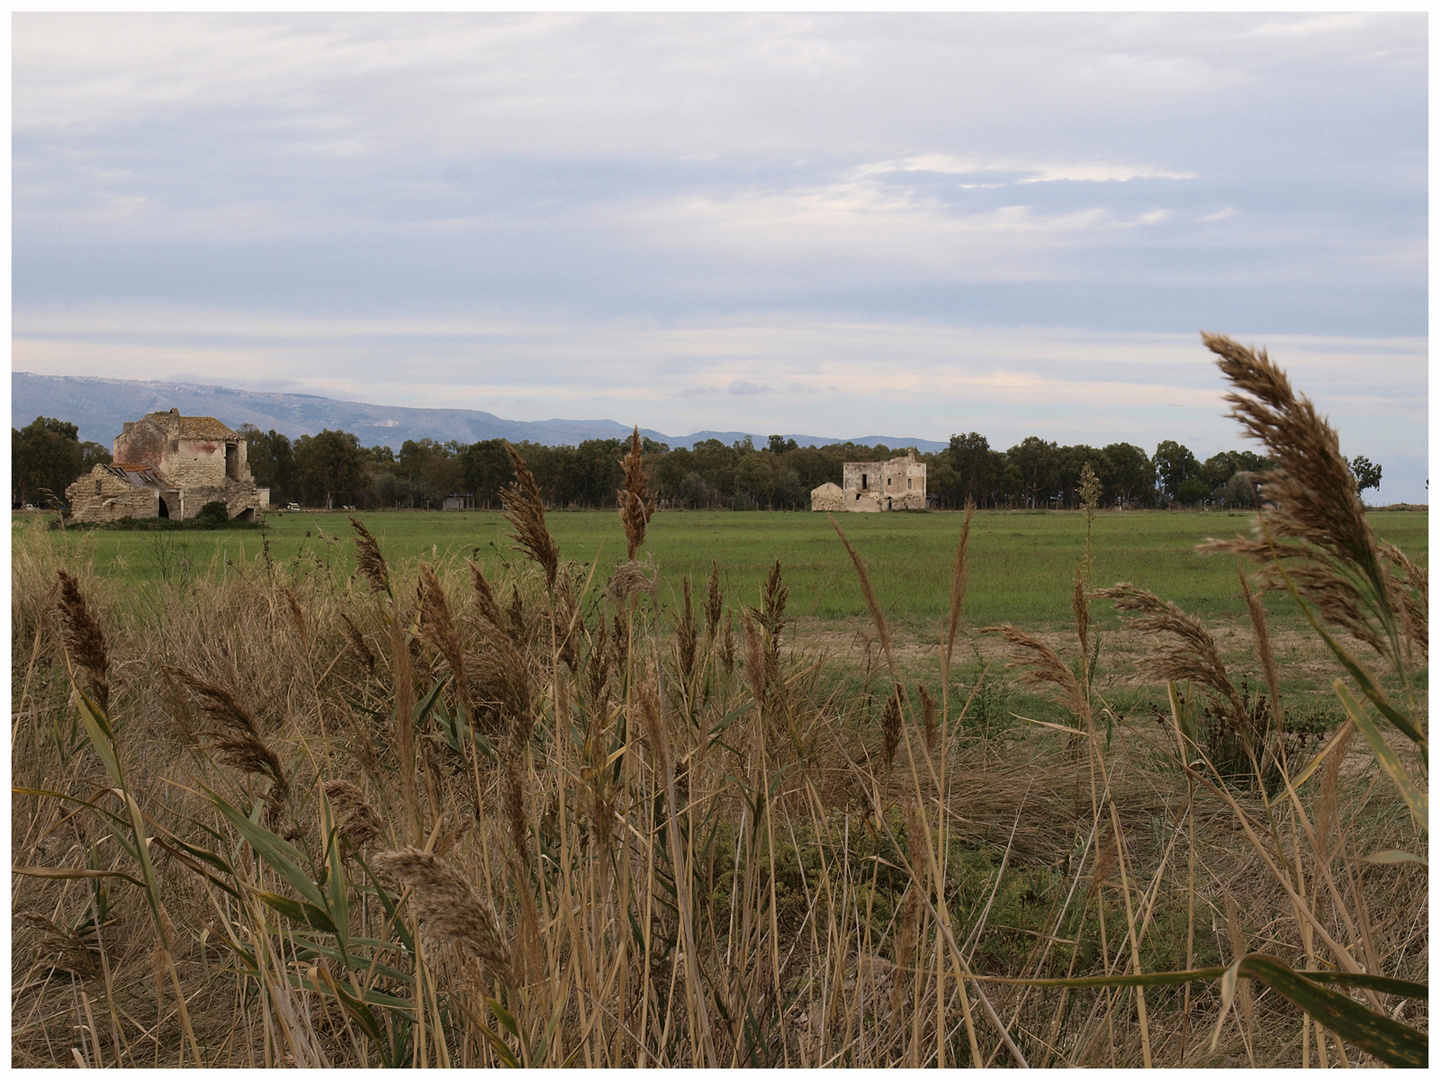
[(836, 225)]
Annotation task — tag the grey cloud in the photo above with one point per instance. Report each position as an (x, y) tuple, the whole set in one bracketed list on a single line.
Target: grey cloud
[(746, 388)]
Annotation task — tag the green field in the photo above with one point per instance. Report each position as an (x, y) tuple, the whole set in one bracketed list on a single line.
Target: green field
[(1021, 563)]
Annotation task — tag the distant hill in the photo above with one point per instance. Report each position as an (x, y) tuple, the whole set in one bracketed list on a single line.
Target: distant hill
[(99, 408)]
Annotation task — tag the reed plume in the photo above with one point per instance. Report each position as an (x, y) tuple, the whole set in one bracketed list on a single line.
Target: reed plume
[(686, 636), (298, 616), (597, 665), (1310, 508), (525, 510), (84, 640), (485, 599), (872, 601), (636, 507), (370, 562), (443, 900), (66, 949), (754, 659), (927, 718), (1262, 647), (890, 722), (1043, 667), (357, 643), (358, 822), (437, 628), (630, 579), (234, 734), (712, 602), (1188, 654), (727, 643), (959, 579)]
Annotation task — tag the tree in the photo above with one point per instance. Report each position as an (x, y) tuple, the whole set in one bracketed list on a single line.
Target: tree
[(92, 454), (329, 464), (271, 459), (486, 468), (1365, 471), (977, 469), (1037, 463), (430, 470), (45, 456), (1174, 464), (1130, 476), (780, 445), (1192, 490)]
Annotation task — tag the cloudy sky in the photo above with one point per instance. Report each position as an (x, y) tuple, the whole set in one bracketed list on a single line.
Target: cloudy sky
[(834, 225)]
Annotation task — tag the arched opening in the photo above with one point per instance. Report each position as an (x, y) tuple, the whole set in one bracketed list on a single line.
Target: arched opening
[(248, 514), (164, 508), (889, 503)]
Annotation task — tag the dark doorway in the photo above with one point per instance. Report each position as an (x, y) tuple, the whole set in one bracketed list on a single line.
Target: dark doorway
[(232, 461), (164, 509)]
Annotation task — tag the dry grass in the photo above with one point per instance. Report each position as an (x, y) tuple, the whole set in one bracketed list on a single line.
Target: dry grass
[(555, 824)]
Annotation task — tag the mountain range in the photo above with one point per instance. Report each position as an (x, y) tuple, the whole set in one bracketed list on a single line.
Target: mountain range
[(99, 407)]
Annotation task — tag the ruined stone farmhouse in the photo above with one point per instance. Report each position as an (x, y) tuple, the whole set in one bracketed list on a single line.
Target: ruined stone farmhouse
[(169, 466), (872, 486)]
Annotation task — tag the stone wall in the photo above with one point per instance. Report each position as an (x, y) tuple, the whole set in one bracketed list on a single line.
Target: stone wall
[(827, 497), (193, 463), (143, 442), (102, 496), (897, 484)]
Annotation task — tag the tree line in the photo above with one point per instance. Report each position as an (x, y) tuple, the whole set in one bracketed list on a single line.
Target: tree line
[(332, 469), (318, 470)]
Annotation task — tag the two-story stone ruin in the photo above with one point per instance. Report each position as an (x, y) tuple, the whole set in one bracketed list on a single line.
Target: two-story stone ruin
[(871, 486), (167, 465)]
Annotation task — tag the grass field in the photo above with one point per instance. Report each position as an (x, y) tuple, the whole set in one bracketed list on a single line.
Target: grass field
[(1022, 563)]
